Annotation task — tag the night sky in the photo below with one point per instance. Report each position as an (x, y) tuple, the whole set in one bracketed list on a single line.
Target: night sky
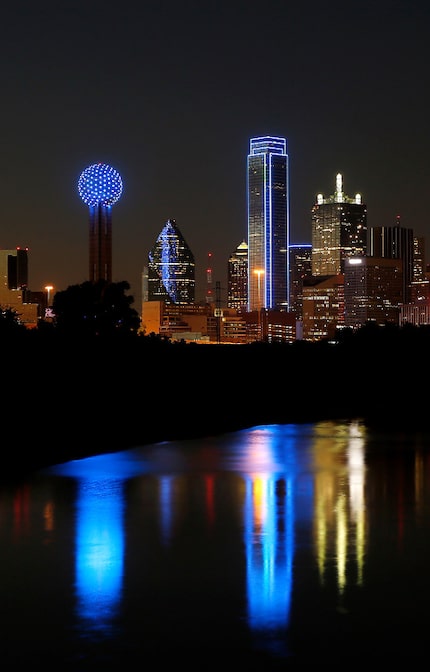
[(170, 92)]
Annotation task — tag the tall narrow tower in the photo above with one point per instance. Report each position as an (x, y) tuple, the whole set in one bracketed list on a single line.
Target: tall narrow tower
[(268, 223), (209, 290), (100, 187), (237, 278)]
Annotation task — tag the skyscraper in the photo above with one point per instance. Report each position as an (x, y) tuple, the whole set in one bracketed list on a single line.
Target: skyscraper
[(237, 278), (373, 290), (300, 268), (339, 230), (268, 223), (171, 268), (100, 186), (14, 291), (394, 242), (14, 268)]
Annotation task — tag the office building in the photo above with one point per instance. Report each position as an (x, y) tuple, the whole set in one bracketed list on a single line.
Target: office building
[(209, 280), (14, 292), (373, 290), (300, 268), (417, 314), (419, 291), (419, 256), (394, 242), (14, 278), (14, 268), (237, 278), (100, 186), (268, 223), (339, 230), (171, 268), (323, 306)]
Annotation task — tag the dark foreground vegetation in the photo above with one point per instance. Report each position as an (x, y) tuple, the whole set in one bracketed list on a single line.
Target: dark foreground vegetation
[(71, 392)]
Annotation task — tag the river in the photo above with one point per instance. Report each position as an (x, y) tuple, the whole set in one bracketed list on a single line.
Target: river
[(278, 545)]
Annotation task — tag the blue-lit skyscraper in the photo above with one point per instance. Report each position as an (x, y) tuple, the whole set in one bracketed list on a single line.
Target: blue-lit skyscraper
[(268, 223), (171, 268)]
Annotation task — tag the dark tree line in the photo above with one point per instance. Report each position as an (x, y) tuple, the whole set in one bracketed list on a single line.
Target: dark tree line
[(96, 309), (90, 382)]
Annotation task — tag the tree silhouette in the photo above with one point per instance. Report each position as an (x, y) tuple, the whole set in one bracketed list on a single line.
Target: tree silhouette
[(96, 309), (10, 323)]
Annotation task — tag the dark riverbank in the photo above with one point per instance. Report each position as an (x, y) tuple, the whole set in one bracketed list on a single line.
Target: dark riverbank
[(66, 400)]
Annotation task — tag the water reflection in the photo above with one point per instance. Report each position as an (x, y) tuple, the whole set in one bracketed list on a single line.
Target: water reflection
[(99, 552), (266, 520), (272, 467), (269, 544), (339, 510), (166, 508), (99, 536), (269, 528)]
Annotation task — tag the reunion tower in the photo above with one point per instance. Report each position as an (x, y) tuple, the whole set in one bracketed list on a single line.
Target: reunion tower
[(100, 186)]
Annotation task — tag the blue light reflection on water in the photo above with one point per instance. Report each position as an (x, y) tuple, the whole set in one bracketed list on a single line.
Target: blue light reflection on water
[(269, 532), (269, 553), (99, 551), (166, 513), (99, 543), (277, 465)]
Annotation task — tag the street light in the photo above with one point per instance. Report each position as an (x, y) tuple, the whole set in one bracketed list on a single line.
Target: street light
[(259, 272)]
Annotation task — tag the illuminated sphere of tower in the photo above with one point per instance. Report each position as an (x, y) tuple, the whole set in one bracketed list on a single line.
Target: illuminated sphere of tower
[(100, 184)]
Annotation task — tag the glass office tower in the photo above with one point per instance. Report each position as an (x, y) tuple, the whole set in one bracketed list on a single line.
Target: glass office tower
[(394, 242), (237, 278), (171, 268), (300, 259), (268, 224), (339, 230)]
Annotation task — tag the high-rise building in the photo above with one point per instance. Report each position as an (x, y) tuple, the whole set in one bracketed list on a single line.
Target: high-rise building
[(268, 223), (14, 292), (14, 268), (209, 281), (323, 306), (171, 268), (300, 268), (339, 230), (394, 242), (373, 290), (100, 186), (420, 285), (419, 272), (237, 278)]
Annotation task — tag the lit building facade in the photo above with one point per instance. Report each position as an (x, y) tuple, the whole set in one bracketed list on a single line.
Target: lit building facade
[(268, 223), (339, 230), (394, 242), (373, 290), (323, 306), (171, 268), (417, 314), (14, 268), (14, 292), (300, 268), (237, 278), (419, 272)]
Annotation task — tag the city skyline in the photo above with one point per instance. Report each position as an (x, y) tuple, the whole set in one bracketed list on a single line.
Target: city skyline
[(170, 95)]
